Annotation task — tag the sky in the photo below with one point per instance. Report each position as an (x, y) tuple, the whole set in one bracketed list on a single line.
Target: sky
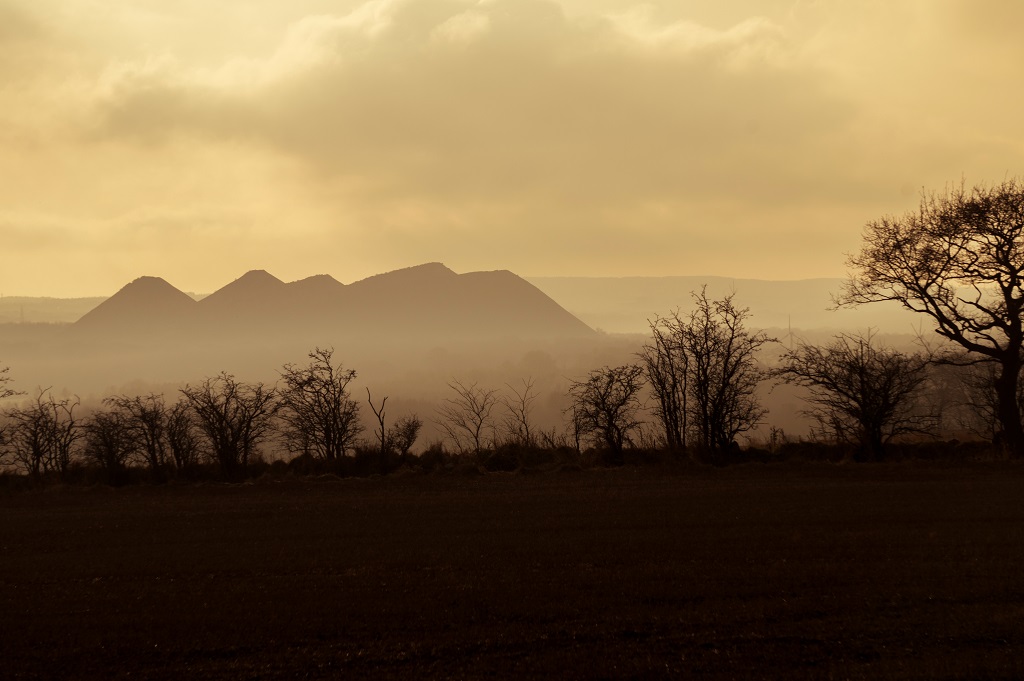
[(196, 141)]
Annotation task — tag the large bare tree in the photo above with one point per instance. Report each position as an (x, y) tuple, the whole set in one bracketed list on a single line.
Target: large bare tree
[(146, 416), (959, 260), (858, 391), (42, 434), (320, 417), (235, 417), (111, 442), (607, 404), (723, 372)]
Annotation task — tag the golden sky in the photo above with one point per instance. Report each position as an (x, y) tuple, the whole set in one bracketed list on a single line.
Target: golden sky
[(196, 140)]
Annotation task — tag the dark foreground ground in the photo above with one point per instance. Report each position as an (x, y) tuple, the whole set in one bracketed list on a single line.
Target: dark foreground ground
[(874, 572)]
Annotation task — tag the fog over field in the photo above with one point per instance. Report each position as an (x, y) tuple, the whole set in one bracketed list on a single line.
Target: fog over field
[(408, 333)]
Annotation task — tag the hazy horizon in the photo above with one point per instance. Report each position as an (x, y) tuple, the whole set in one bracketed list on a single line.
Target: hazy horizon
[(618, 305), (548, 137), (232, 276)]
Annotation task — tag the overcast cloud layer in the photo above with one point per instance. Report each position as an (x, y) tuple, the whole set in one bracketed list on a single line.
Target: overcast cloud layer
[(196, 140)]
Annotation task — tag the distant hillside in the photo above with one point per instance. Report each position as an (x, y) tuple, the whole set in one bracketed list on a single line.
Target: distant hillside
[(146, 303), (30, 310), (624, 304)]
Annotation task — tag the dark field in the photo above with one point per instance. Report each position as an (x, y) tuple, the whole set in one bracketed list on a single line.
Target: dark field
[(874, 572)]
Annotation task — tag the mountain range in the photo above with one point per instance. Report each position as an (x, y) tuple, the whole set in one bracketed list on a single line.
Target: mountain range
[(612, 304), (426, 301)]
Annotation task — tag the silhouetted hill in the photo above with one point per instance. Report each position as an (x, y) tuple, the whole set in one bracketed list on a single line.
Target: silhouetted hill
[(146, 304), (432, 276), (432, 301), (316, 286), (251, 300)]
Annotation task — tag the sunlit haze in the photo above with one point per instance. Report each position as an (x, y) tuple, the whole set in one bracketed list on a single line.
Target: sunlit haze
[(195, 141)]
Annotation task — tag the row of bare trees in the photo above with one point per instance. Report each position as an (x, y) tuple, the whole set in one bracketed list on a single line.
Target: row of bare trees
[(858, 392), (699, 374), (220, 419), (958, 260)]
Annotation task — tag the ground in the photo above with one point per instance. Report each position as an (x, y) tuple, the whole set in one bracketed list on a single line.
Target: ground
[(895, 571)]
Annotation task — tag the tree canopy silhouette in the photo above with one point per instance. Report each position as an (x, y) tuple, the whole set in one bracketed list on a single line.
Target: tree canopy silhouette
[(320, 417), (234, 416), (607, 404), (858, 391), (723, 372), (958, 259)]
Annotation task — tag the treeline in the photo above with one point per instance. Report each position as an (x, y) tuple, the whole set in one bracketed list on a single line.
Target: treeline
[(690, 396), (219, 428)]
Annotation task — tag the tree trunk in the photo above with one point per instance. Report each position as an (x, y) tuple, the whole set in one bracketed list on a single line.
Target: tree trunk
[(873, 446), (1009, 407)]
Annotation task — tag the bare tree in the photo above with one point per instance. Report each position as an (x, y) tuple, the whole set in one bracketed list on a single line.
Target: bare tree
[(399, 438), (42, 434), (402, 436), (858, 392), (574, 429), (182, 437), (111, 441), (959, 260), (723, 372), (66, 432), (319, 414), (667, 366), (466, 417), (147, 418), (5, 392), (382, 433), (235, 417), (606, 405), (519, 406)]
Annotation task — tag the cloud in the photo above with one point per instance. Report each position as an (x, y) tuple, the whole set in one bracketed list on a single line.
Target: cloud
[(463, 28), (568, 136), (17, 25), (502, 100)]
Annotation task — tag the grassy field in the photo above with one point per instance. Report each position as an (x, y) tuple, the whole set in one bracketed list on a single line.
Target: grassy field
[(756, 571)]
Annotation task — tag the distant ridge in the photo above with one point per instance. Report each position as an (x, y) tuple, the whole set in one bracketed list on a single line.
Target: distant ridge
[(318, 284), (431, 271), (426, 301), (256, 287)]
